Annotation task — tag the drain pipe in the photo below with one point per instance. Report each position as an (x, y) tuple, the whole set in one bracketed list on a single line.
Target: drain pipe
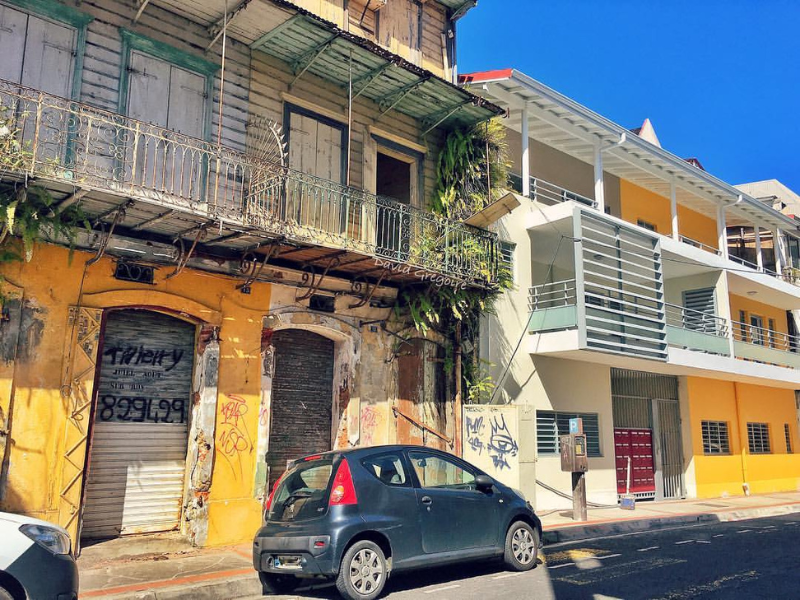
[(742, 440)]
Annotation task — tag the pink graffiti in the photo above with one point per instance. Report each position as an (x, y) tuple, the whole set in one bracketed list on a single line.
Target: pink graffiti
[(234, 437)]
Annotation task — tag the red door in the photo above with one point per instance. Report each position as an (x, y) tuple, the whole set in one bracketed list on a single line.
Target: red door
[(636, 444)]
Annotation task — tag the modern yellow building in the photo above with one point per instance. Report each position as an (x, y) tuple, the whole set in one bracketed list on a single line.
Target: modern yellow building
[(630, 312), (256, 183)]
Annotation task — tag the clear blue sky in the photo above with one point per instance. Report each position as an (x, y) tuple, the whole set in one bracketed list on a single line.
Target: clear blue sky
[(719, 79)]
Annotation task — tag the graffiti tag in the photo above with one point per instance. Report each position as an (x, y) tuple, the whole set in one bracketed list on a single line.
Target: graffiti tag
[(139, 355), (501, 443), (141, 410), (474, 432)]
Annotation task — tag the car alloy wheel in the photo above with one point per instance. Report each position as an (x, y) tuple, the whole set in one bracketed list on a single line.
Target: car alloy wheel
[(363, 572), (523, 546), (366, 571)]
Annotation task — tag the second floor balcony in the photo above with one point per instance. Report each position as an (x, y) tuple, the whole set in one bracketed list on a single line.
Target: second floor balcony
[(176, 188)]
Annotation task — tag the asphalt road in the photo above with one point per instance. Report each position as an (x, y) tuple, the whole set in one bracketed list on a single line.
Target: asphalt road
[(746, 559)]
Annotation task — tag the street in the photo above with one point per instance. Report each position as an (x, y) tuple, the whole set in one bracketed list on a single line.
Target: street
[(745, 559)]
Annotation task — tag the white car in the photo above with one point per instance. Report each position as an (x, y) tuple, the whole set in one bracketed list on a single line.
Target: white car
[(36, 561)]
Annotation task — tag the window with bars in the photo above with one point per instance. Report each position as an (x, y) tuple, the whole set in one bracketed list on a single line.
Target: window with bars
[(550, 425), (646, 224), (787, 432), (715, 437), (758, 438)]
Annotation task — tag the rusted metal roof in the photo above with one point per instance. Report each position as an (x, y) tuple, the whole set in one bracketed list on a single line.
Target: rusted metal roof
[(312, 45)]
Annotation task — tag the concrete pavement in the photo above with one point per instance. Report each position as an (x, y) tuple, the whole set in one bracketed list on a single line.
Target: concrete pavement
[(163, 568)]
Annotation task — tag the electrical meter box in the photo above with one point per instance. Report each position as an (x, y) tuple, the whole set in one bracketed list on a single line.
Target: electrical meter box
[(573, 453)]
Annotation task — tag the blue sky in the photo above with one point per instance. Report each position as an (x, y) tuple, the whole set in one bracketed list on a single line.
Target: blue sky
[(719, 79)]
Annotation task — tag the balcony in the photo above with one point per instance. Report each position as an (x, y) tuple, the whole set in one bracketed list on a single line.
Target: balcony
[(765, 346), (696, 330), (172, 186), (554, 308)]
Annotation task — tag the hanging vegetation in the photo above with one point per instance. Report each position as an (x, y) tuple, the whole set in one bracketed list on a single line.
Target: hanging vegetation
[(27, 212), (472, 171)]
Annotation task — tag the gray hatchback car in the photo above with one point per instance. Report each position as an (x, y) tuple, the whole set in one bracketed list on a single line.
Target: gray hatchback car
[(359, 515)]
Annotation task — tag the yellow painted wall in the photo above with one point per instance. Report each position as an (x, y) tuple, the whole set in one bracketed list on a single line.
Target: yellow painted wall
[(722, 475), (638, 203), (765, 311), (51, 285)]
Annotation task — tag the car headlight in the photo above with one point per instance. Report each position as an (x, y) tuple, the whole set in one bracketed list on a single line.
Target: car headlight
[(50, 538)]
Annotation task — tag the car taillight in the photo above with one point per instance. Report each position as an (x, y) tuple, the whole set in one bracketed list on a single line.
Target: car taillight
[(272, 495), (343, 492)]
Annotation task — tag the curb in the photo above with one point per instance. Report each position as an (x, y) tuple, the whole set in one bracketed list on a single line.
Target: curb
[(573, 533), (241, 586)]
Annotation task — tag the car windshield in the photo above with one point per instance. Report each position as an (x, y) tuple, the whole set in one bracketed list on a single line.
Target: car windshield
[(301, 493)]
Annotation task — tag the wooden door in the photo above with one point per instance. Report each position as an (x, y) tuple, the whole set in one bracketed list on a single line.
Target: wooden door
[(172, 99)]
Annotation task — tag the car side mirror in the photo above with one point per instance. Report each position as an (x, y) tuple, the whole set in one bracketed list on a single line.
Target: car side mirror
[(484, 482)]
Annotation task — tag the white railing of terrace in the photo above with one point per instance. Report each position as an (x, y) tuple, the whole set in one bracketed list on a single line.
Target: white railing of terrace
[(551, 295), (761, 336), (695, 320), (56, 139), (697, 244)]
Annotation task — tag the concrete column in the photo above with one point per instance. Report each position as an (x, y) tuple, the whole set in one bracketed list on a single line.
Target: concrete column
[(759, 256), (673, 207), (778, 248), (526, 155), (599, 190), (722, 235)]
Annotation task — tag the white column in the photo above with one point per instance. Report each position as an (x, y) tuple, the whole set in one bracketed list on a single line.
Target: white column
[(673, 207), (722, 235), (778, 247), (599, 191), (759, 256), (526, 154)]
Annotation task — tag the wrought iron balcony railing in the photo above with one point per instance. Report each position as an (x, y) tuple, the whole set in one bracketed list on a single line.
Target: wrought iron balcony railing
[(56, 139)]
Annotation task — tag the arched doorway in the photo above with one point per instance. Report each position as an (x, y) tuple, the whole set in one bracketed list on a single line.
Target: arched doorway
[(301, 401), (137, 459)]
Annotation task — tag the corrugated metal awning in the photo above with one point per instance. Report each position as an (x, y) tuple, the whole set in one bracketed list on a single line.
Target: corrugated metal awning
[(310, 44)]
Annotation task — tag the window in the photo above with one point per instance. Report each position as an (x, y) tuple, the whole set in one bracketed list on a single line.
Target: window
[(646, 225), (507, 257), (551, 425), (715, 437), (787, 432), (388, 468), (438, 472), (317, 144), (758, 438), (696, 302)]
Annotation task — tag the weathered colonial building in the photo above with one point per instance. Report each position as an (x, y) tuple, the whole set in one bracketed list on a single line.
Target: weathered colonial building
[(256, 175)]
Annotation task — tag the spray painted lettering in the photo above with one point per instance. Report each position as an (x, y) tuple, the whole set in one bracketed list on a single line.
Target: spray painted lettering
[(133, 355), (141, 410), (475, 429)]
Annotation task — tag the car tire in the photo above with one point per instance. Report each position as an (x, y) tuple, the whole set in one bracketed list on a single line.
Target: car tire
[(363, 572), (277, 584), (5, 594), (522, 547)]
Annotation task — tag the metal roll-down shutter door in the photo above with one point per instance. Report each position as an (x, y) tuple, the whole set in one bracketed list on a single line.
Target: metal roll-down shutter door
[(139, 442)]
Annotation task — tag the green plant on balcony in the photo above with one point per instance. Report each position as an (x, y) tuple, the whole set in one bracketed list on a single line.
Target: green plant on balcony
[(472, 171), (27, 211)]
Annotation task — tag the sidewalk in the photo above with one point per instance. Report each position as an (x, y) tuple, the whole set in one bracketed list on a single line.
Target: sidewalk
[(164, 568)]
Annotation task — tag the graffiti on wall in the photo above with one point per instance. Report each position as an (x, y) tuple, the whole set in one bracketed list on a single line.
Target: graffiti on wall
[(234, 439), (491, 436)]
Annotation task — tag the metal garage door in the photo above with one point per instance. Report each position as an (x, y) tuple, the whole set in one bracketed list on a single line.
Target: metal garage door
[(302, 393), (139, 443)]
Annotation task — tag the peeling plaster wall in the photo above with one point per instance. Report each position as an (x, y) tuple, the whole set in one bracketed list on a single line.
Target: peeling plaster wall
[(230, 417)]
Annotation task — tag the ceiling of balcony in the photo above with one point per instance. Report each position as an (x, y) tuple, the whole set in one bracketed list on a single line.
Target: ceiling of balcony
[(310, 44), (569, 127)]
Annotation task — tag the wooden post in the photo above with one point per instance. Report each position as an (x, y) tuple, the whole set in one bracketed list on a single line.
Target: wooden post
[(457, 409), (579, 497)]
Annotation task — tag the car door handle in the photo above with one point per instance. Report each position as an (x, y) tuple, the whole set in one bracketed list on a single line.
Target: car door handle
[(426, 500)]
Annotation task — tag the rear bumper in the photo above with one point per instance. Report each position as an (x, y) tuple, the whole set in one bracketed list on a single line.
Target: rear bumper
[(295, 555)]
